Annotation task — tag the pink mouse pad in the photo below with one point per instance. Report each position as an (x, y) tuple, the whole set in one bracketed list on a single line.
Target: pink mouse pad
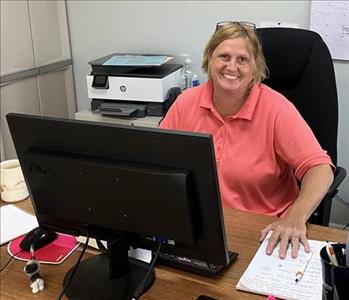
[(53, 253)]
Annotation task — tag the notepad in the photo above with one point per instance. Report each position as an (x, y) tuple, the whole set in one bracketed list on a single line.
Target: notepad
[(268, 274), (15, 222)]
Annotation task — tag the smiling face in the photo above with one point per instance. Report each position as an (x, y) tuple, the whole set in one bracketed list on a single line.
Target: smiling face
[(231, 67)]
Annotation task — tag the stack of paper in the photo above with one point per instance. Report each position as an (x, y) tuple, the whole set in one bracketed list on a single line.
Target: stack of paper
[(268, 274), (15, 222)]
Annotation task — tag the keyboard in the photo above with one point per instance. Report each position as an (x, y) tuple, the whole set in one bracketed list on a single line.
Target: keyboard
[(193, 265)]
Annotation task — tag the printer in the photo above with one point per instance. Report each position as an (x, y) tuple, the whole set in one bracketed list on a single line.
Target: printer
[(132, 90)]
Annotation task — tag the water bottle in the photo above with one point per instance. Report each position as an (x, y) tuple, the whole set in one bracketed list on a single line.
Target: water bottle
[(187, 73), (191, 79), (195, 80)]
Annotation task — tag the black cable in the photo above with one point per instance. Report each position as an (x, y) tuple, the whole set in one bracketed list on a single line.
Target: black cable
[(346, 226), (138, 292), (75, 268), (3, 268), (113, 242)]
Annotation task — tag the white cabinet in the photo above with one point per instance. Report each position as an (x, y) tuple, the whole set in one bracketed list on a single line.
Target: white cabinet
[(36, 72), (57, 97), (50, 31), (21, 97), (16, 43)]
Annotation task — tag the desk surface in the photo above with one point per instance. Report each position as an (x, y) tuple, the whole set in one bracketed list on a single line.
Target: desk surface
[(242, 231)]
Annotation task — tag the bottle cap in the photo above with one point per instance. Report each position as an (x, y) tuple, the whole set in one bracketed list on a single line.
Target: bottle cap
[(188, 61)]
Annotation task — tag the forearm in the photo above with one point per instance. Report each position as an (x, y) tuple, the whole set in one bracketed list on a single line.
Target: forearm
[(314, 186)]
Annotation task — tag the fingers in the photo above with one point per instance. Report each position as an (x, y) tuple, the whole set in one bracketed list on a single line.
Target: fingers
[(287, 238), (294, 240), (264, 233), (283, 245), (294, 246), (303, 239), (284, 238), (287, 235), (274, 239)]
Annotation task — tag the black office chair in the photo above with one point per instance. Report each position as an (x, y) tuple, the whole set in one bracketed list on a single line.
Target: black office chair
[(301, 68)]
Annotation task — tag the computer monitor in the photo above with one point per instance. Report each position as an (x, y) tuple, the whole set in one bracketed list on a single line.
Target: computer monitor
[(131, 186)]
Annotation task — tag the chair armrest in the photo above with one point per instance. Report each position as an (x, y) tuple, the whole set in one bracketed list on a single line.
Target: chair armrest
[(339, 176)]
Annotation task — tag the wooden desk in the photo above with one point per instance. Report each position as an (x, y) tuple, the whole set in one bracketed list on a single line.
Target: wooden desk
[(242, 231)]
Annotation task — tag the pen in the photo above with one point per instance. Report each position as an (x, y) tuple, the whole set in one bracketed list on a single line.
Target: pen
[(300, 273), (347, 252), (331, 254)]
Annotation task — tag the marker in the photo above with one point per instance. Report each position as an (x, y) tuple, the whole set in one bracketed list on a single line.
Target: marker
[(340, 256), (331, 254), (300, 273)]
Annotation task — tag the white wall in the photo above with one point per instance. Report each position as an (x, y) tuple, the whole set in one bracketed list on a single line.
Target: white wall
[(98, 28)]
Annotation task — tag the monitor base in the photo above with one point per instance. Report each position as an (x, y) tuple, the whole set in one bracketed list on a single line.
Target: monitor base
[(91, 280)]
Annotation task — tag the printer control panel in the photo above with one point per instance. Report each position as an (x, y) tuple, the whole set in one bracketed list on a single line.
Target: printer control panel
[(100, 81)]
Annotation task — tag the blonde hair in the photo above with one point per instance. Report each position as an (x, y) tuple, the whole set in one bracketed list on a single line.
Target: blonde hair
[(232, 31)]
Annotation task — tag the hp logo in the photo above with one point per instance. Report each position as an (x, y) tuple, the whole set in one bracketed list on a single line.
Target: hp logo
[(123, 88)]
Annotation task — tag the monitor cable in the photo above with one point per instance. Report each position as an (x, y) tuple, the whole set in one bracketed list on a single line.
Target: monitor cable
[(75, 267), (12, 256), (139, 290)]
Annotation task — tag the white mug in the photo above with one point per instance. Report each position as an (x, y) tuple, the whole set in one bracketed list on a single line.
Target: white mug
[(12, 184)]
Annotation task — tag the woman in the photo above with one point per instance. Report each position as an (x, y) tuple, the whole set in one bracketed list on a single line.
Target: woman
[(262, 144)]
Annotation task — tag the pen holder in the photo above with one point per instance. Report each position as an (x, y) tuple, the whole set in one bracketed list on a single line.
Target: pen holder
[(335, 278)]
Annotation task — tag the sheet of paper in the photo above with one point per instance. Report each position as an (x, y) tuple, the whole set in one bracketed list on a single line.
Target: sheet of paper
[(141, 254), (136, 60), (138, 253), (330, 19), (268, 274), (15, 222)]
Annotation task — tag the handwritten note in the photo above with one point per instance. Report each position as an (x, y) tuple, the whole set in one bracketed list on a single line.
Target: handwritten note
[(271, 275)]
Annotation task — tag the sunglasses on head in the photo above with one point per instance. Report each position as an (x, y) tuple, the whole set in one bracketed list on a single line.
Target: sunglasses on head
[(242, 24)]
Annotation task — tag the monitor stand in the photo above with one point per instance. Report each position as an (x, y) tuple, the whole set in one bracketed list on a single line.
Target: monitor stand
[(112, 275)]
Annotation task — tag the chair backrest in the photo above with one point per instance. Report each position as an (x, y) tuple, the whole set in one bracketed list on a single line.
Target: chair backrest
[(301, 68)]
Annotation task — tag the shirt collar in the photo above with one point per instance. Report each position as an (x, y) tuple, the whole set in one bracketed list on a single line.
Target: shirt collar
[(206, 99), (246, 111)]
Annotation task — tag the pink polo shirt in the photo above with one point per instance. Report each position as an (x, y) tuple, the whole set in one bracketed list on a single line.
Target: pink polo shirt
[(260, 151)]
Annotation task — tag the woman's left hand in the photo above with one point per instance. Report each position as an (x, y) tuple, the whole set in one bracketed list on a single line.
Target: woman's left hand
[(286, 230), (291, 228)]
